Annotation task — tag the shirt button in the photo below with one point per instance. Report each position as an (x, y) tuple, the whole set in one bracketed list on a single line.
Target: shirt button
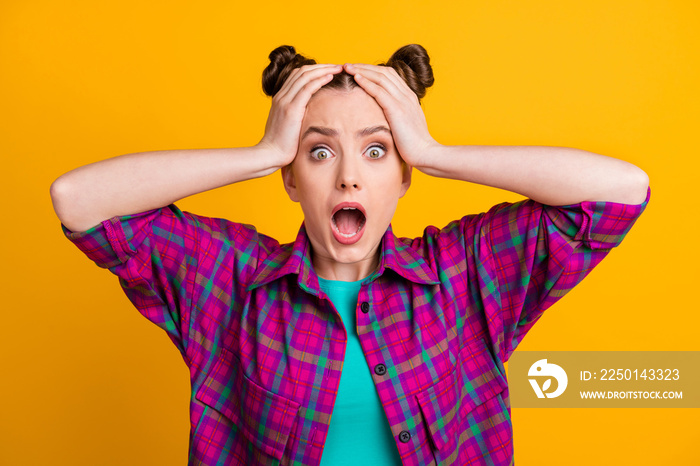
[(380, 369), (404, 436), (365, 307)]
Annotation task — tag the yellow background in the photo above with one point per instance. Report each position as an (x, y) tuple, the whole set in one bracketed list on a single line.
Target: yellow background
[(87, 380)]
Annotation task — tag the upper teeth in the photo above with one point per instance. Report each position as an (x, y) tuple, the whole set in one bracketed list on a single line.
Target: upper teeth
[(349, 208)]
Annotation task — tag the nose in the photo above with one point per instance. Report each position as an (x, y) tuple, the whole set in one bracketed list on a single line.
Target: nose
[(348, 173)]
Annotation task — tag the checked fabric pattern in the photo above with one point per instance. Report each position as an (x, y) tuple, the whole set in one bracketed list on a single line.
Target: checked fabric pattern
[(443, 312)]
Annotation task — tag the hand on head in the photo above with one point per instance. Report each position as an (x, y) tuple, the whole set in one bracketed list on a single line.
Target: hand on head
[(293, 79), (288, 106), (401, 108)]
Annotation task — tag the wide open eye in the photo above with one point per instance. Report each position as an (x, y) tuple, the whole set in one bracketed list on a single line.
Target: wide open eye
[(320, 153), (376, 152)]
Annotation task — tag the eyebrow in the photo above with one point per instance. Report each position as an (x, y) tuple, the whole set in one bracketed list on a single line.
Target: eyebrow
[(332, 132)]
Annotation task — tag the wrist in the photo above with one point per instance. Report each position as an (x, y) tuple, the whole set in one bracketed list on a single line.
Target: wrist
[(273, 158), (430, 156)]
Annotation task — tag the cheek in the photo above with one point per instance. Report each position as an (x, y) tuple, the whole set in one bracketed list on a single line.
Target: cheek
[(313, 185), (312, 194), (387, 180), (301, 176)]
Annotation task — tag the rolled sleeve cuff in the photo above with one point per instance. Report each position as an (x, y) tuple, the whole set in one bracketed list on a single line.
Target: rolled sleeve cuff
[(599, 224), (113, 241)]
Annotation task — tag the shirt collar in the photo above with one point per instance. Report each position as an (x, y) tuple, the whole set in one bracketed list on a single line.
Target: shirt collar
[(296, 258)]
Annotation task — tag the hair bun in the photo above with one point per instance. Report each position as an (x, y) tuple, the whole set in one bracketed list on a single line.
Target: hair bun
[(412, 63), (282, 61)]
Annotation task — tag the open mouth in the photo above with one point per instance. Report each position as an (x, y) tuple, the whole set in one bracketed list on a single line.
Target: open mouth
[(348, 221)]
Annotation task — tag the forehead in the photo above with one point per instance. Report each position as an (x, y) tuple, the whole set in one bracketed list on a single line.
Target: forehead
[(338, 109)]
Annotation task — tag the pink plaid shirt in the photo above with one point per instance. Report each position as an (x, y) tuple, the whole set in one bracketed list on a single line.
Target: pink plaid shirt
[(437, 320)]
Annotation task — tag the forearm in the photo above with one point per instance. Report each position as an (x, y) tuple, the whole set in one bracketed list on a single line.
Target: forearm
[(137, 182), (549, 175)]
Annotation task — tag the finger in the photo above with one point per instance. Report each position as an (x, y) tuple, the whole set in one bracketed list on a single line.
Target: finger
[(389, 97), (374, 72), (305, 68), (300, 76), (380, 78), (307, 71), (392, 74), (304, 93), (380, 94), (388, 71)]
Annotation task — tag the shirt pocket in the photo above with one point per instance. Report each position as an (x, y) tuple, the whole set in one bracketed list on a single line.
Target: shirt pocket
[(264, 418), (464, 411)]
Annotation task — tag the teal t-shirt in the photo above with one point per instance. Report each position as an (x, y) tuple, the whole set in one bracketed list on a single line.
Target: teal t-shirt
[(359, 432)]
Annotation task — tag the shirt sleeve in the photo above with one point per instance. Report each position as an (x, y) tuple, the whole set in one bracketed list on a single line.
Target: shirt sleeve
[(155, 254), (527, 256)]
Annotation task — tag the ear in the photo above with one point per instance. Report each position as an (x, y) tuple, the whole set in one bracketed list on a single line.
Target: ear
[(290, 184), (405, 179)]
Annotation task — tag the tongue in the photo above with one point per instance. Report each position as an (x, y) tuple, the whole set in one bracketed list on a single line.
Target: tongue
[(348, 221)]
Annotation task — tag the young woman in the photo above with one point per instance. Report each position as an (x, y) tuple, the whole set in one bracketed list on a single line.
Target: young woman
[(419, 328)]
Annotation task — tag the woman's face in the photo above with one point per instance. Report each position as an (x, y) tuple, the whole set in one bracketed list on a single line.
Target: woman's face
[(348, 178)]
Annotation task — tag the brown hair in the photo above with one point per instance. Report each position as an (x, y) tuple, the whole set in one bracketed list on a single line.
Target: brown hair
[(411, 62)]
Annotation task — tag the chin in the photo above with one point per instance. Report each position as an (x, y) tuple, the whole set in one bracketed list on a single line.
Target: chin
[(345, 256)]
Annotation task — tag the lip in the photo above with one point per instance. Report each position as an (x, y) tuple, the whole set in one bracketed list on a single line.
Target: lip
[(340, 238)]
